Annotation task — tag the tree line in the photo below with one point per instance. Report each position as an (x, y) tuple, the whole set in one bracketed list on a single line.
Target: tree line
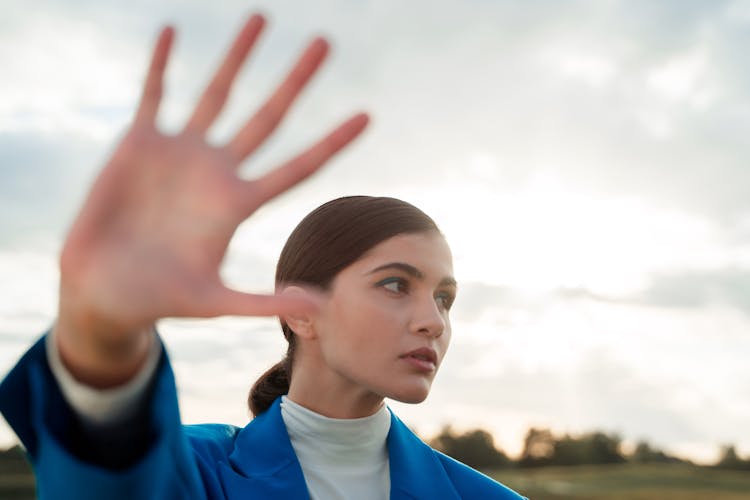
[(542, 447)]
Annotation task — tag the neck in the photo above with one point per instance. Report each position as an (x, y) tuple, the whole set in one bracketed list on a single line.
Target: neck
[(330, 395)]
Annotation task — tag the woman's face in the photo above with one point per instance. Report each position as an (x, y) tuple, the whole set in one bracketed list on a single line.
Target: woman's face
[(385, 326)]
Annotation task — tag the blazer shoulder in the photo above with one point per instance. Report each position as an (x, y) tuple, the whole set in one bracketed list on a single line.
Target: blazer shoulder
[(212, 442), (470, 483)]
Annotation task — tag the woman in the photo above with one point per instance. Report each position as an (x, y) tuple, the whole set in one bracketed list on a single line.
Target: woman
[(364, 286)]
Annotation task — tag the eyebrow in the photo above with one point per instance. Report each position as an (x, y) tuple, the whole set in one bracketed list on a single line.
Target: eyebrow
[(413, 271)]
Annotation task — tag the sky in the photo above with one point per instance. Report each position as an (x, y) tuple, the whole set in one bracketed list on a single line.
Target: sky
[(587, 161)]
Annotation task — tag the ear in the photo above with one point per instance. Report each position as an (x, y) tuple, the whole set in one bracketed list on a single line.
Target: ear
[(301, 323)]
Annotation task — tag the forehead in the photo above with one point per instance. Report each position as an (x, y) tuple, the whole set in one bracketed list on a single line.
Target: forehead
[(428, 252)]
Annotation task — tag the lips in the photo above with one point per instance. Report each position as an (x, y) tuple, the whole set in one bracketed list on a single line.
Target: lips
[(423, 358)]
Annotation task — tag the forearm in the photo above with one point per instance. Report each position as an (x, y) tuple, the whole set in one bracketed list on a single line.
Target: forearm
[(96, 406), (140, 454)]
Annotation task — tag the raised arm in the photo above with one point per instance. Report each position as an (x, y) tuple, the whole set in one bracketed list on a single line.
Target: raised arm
[(150, 238)]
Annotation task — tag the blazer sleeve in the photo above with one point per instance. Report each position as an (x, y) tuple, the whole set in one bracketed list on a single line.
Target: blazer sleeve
[(144, 457)]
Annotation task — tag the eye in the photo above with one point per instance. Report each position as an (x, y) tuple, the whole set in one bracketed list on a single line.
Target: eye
[(395, 285), (445, 300)]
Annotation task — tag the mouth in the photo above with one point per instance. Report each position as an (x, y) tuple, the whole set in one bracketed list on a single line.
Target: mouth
[(424, 359)]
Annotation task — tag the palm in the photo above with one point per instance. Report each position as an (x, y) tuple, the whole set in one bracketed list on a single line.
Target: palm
[(152, 234), (159, 229)]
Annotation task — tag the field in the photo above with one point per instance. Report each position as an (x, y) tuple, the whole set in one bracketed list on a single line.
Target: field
[(16, 480), (612, 482), (627, 482)]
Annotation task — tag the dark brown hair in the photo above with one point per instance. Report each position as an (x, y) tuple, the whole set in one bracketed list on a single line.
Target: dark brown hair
[(328, 240)]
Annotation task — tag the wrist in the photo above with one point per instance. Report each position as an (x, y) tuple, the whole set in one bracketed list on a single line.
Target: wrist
[(100, 353)]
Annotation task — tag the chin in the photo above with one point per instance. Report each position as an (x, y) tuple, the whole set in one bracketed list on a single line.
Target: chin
[(411, 395), (413, 401)]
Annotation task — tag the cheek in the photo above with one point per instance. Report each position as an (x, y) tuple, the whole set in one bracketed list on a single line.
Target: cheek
[(357, 326)]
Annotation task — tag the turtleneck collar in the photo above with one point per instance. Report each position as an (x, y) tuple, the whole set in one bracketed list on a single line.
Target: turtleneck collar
[(324, 442)]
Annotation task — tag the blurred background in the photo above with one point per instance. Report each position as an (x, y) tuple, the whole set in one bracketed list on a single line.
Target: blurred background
[(587, 161)]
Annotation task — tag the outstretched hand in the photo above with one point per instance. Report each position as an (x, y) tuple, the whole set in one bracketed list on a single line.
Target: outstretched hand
[(151, 236)]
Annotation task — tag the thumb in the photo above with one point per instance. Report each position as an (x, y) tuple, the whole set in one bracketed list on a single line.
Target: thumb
[(296, 301)]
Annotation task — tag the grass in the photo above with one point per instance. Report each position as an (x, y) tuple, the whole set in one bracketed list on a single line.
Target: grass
[(627, 481), (16, 486), (592, 482)]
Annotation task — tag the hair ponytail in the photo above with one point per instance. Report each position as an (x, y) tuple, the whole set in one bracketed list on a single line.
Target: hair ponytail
[(271, 385)]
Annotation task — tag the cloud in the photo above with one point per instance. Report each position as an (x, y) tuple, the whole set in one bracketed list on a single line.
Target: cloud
[(700, 289), (601, 392), (604, 390), (42, 180), (581, 89), (690, 290), (694, 290), (475, 299)]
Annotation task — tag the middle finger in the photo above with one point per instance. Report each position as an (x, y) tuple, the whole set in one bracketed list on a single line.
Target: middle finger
[(268, 117), (215, 95)]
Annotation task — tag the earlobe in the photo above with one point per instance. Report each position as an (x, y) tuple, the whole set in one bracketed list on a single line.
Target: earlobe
[(300, 323)]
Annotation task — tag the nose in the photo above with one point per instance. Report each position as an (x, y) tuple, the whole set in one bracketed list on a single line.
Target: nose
[(428, 319)]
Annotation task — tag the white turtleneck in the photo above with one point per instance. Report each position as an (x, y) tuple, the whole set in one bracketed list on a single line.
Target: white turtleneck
[(340, 458)]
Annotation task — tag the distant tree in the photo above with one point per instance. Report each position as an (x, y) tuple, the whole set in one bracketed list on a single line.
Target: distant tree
[(541, 447), (475, 448), (644, 453), (730, 460), (604, 448), (538, 448), (729, 457), (590, 448)]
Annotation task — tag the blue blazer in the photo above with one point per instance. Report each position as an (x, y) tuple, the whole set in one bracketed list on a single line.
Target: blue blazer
[(208, 461)]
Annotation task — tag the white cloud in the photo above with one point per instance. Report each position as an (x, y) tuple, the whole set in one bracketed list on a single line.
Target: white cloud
[(546, 234), (685, 78), (69, 76), (587, 66)]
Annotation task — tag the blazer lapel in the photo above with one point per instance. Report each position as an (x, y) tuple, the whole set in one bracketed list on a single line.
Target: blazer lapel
[(263, 464), (416, 472)]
